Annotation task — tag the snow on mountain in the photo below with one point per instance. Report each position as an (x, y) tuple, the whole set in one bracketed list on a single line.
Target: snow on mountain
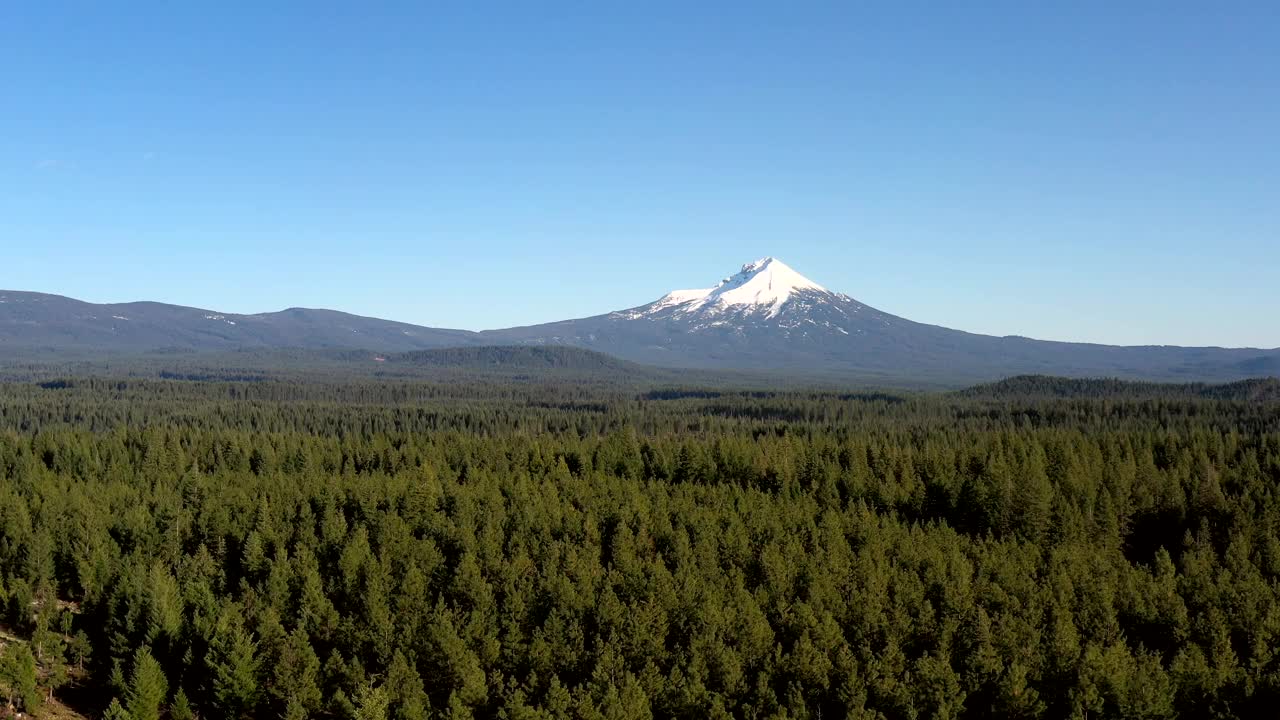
[(766, 284), (764, 317)]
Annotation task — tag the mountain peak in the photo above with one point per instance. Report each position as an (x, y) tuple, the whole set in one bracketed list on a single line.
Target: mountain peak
[(765, 283), (767, 278)]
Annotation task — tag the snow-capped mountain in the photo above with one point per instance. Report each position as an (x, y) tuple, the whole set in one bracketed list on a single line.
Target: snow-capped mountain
[(762, 286), (769, 316), (764, 293), (766, 316)]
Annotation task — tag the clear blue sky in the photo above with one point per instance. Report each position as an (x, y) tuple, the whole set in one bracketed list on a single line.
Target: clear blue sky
[(1105, 171)]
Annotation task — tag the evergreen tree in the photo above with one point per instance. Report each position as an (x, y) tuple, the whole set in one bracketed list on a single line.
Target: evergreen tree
[(18, 677), (296, 674), (148, 687), (116, 711), (406, 689), (180, 708), (371, 703), (233, 667)]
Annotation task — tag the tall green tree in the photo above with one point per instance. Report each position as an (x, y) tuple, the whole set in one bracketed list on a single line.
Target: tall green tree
[(233, 667), (148, 687), (18, 677)]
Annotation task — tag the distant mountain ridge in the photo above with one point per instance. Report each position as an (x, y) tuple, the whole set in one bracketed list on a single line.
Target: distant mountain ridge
[(38, 321), (765, 317)]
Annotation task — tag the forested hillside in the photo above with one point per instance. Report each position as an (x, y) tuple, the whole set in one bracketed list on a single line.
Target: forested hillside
[(490, 365), (409, 550), (1024, 387)]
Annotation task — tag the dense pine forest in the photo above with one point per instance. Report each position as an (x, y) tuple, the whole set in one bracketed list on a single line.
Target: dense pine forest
[(527, 549)]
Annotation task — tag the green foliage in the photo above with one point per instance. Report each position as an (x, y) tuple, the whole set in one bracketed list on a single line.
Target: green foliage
[(180, 708), (398, 550), (148, 687), (233, 665), (18, 679), (295, 669), (371, 703), (406, 690), (116, 711), (80, 648)]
